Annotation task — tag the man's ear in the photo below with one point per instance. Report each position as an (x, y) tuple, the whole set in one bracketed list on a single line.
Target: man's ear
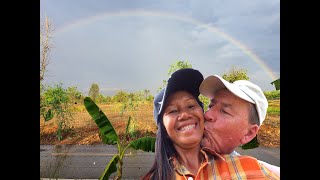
[(252, 132)]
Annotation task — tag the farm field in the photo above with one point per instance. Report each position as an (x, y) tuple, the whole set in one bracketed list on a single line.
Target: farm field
[(86, 132)]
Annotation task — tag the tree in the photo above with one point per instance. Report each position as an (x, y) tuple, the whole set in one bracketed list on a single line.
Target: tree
[(121, 96), (74, 95), (178, 65), (53, 100), (46, 30), (56, 103), (147, 95), (94, 91), (101, 99), (235, 74)]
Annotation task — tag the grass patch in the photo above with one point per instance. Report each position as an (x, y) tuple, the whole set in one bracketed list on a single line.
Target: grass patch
[(86, 131)]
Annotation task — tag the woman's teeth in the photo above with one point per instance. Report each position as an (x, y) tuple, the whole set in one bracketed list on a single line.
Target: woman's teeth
[(185, 128)]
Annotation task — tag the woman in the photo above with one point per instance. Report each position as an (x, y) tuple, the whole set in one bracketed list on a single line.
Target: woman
[(179, 116)]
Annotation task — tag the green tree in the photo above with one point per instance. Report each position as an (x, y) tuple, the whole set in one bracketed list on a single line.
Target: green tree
[(146, 93), (107, 99), (178, 65), (94, 91), (74, 95), (147, 96), (120, 96), (235, 74), (55, 103), (101, 99)]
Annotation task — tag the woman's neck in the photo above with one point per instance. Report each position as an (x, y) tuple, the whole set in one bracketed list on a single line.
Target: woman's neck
[(190, 158)]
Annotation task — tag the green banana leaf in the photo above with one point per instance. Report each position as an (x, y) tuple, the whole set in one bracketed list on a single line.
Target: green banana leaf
[(110, 168), (109, 135), (145, 143)]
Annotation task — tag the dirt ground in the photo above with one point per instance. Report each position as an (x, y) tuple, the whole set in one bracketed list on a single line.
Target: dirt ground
[(85, 131)]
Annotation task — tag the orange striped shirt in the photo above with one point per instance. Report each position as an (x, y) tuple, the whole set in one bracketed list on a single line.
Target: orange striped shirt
[(216, 167)]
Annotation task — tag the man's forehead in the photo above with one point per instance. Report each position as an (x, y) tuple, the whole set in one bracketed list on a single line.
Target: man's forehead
[(223, 102)]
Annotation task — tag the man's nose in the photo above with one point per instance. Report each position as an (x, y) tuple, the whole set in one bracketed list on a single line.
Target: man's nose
[(208, 116)]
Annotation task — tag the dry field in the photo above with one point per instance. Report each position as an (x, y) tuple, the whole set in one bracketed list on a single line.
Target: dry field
[(85, 130)]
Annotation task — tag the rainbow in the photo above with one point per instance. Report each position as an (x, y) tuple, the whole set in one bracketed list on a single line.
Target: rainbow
[(139, 13)]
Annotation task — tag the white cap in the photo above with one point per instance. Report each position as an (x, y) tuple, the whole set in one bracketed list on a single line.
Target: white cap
[(244, 89)]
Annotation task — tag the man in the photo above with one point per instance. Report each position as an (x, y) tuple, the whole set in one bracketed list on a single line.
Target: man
[(235, 114)]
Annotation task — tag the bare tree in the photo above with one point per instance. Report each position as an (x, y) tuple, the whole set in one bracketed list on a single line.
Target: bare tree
[(46, 31), (94, 91)]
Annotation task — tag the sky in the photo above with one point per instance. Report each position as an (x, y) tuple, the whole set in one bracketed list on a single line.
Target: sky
[(129, 45)]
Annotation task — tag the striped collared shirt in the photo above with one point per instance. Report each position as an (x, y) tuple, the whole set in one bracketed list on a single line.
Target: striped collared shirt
[(216, 167)]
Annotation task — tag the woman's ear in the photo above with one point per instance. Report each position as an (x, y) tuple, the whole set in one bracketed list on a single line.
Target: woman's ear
[(252, 132)]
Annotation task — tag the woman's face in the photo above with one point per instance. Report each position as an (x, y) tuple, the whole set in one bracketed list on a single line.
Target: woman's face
[(183, 119)]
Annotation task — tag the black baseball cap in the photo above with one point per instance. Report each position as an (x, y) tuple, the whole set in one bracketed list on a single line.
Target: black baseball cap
[(186, 79)]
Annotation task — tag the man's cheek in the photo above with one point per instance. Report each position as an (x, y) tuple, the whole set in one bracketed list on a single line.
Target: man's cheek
[(208, 125)]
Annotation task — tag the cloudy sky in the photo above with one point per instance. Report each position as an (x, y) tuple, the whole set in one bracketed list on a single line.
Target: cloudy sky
[(130, 45)]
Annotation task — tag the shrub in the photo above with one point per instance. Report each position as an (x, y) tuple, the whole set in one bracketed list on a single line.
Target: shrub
[(271, 95), (54, 103)]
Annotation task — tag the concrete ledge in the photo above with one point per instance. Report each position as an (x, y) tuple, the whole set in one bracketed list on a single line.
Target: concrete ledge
[(87, 162)]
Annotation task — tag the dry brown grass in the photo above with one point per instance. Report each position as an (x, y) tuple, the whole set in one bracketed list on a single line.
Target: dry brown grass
[(85, 130)]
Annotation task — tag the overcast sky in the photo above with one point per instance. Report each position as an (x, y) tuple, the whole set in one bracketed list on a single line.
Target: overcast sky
[(129, 45)]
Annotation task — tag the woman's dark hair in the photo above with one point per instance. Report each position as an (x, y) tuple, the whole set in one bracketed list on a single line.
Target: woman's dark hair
[(162, 167)]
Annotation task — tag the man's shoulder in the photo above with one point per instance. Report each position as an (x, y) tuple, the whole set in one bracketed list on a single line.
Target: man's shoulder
[(244, 166)]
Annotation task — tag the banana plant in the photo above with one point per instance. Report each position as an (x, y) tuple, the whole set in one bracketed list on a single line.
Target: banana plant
[(109, 136)]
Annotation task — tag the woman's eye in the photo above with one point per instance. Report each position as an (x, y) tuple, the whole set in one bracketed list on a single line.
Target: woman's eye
[(172, 111)]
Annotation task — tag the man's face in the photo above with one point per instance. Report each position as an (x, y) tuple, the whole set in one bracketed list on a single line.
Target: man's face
[(226, 122)]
